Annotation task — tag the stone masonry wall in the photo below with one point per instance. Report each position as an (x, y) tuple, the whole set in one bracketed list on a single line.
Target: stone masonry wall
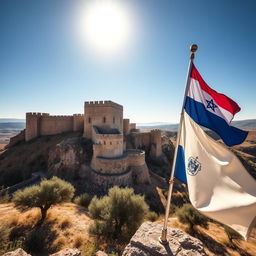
[(110, 165), (38, 124), (105, 114), (50, 125), (78, 122)]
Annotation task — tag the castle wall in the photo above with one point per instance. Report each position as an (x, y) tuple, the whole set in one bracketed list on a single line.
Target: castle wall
[(108, 180), (105, 114), (141, 139), (126, 128), (108, 145), (50, 125), (135, 157), (156, 140), (132, 126), (38, 124), (78, 122), (138, 166), (110, 165), (33, 125)]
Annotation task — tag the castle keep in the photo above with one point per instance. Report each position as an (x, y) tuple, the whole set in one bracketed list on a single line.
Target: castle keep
[(102, 122)]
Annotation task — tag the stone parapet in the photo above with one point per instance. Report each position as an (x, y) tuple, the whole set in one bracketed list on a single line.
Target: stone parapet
[(136, 157), (106, 103)]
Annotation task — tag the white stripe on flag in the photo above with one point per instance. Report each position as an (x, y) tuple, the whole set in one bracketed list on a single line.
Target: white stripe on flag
[(195, 92)]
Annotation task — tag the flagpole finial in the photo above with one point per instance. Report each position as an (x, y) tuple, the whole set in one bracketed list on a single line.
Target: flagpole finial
[(193, 49)]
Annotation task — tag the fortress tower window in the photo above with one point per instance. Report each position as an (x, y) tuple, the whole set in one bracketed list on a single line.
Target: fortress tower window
[(104, 142), (104, 119), (89, 120), (110, 143), (114, 120)]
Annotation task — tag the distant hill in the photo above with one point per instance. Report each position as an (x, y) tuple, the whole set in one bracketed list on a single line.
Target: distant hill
[(13, 125), (249, 124), (12, 120)]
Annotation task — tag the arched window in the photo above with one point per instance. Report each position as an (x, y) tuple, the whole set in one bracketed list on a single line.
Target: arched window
[(104, 142), (89, 120), (110, 143), (104, 119)]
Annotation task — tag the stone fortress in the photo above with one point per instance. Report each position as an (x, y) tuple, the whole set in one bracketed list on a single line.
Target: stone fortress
[(113, 162)]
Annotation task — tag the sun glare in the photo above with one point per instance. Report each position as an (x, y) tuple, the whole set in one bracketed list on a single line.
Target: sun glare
[(105, 25)]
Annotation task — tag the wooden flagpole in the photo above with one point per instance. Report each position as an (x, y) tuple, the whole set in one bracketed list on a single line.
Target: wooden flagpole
[(163, 238)]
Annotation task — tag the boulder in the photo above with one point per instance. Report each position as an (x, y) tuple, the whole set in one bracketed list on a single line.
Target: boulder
[(67, 252), (145, 242), (100, 253), (18, 252)]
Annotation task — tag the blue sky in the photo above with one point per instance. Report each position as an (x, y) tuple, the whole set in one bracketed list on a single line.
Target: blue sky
[(45, 68)]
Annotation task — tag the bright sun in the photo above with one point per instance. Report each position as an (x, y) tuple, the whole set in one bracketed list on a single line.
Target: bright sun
[(105, 26)]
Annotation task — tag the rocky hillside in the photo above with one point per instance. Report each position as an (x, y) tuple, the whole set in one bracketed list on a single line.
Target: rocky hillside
[(18, 162)]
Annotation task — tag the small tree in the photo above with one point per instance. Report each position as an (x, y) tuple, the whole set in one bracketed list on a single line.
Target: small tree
[(83, 200), (118, 213), (187, 214), (43, 196)]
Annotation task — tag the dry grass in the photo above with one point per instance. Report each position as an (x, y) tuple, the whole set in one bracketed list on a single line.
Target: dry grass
[(216, 241), (66, 225)]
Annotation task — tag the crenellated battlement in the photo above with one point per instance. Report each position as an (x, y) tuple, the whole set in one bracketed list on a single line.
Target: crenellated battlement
[(78, 115), (40, 124), (106, 103), (58, 117), (156, 131), (36, 114)]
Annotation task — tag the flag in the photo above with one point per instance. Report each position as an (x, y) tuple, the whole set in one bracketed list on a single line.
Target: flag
[(218, 184), (212, 110)]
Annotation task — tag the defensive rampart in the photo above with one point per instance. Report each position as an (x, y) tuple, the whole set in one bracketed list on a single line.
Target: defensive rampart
[(39, 124)]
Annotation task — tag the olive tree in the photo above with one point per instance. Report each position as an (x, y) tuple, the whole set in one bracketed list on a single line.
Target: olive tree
[(43, 196), (117, 214)]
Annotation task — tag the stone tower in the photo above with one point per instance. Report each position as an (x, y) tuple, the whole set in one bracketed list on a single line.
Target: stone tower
[(104, 114)]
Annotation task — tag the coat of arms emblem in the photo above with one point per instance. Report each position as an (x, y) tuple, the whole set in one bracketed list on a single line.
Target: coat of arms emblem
[(194, 166)]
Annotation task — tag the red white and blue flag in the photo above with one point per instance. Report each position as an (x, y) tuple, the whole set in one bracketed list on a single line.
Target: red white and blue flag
[(219, 186), (212, 110)]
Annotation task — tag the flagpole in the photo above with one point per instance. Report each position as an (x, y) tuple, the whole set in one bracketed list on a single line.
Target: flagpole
[(163, 238)]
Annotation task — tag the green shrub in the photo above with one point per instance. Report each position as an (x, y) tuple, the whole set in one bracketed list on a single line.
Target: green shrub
[(187, 214), (43, 196), (83, 200), (232, 234), (152, 216), (118, 214), (35, 241)]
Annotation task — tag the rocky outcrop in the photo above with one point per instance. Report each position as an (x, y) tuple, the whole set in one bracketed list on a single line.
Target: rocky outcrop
[(65, 158), (18, 252), (64, 252), (67, 252), (145, 243)]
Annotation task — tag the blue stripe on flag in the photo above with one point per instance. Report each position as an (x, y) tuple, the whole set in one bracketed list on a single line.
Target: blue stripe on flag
[(229, 134), (180, 169)]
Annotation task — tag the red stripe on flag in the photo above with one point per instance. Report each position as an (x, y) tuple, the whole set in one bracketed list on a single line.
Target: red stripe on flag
[(221, 99)]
